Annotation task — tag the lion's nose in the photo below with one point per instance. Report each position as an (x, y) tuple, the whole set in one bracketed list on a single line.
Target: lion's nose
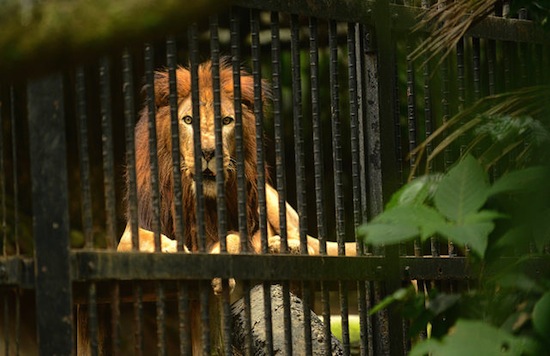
[(207, 154)]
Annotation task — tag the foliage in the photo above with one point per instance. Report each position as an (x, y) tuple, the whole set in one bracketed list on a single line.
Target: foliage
[(508, 311)]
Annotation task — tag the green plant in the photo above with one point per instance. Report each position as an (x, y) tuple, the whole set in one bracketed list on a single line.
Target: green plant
[(506, 310)]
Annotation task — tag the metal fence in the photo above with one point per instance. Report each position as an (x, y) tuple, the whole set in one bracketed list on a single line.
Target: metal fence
[(333, 137)]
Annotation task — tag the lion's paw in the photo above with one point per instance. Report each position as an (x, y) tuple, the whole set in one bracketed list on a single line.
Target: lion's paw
[(217, 285), (275, 246)]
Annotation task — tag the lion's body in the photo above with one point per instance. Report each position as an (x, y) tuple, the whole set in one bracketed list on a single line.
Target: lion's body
[(208, 171)]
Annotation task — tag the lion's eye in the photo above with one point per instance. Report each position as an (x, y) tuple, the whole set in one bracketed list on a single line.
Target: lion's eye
[(227, 120), (187, 119)]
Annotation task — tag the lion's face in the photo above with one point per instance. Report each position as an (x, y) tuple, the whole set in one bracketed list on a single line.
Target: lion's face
[(208, 162)]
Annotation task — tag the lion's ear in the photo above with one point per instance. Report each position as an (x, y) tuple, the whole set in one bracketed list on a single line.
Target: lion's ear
[(247, 90)]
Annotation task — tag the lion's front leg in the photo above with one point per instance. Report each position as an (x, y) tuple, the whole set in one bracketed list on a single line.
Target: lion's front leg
[(233, 243)]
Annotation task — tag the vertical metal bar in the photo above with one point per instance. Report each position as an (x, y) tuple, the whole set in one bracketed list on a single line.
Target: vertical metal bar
[(138, 319), (386, 58), (153, 153), (298, 134), (476, 57), (280, 165), (17, 321), (84, 158), (115, 318), (45, 108), (92, 319), (14, 159), (204, 299), (316, 126), (195, 98), (337, 166), (3, 186), (319, 170), (184, 317), (258, 114), (336, 137), (155, 189), (171, 61), (239, 144), (278, 127), (7, 337), (129, 122), (161, 320), (241, 181), (107, 150), (220, 179)]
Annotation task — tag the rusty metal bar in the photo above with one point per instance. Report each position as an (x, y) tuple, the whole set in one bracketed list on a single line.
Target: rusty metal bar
[(15, 184)]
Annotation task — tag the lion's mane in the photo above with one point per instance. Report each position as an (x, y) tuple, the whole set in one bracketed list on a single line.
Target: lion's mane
[(166, 184)]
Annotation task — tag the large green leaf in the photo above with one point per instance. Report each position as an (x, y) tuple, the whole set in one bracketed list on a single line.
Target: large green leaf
[(473, 234), (415, 192), (522, 180), (387, 234), (541, 316), (469, 337), (463, 191), (402, 223)]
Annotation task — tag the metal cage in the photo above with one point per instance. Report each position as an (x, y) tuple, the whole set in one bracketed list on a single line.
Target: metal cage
[(333, 140)]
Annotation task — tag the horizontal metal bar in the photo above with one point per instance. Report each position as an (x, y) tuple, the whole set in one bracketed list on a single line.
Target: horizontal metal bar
[(15, 271), (151, 266), (402, 18)]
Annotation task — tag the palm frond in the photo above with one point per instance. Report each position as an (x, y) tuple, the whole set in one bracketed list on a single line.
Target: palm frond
[(447, 22)]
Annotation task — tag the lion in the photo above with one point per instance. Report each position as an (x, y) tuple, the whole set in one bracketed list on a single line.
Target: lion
[(208, 170)]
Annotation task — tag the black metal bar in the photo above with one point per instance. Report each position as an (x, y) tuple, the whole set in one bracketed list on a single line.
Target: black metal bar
[(239, 143), (129, 122), (153, 153), (171, 61), (45, 108), (92, 319), (280, 165), (199, 193), (138, 318), (278, 123), (7, 328), (14, 159), (84, 158), (115, 318), (258, 114), (161, 320), (107, 151), (386, 57), (318, 169), (184, 325), (220, 175), (336, 137), (316, 127), (476, 66), (204, 292), (3, 187)]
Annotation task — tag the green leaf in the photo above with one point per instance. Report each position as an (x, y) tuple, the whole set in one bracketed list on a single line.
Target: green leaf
[(463, 190), (541, 316), (525, 179), (387, 234), (473, 234), (484, 216), (397, 296), (401, 224), (415, 192), (470, 337)]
